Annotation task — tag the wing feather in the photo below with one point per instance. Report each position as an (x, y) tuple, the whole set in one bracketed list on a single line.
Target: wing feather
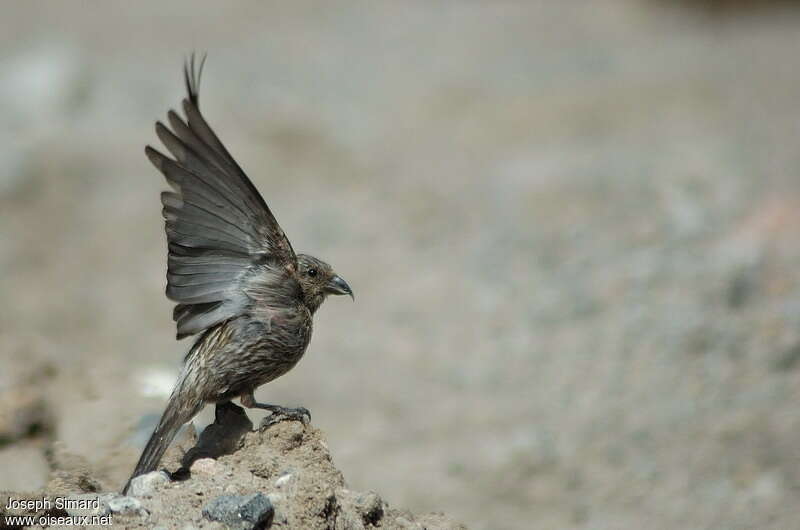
[(221, 234)]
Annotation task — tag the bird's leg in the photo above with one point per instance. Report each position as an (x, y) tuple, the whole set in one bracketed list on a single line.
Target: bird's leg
[(277, 413)]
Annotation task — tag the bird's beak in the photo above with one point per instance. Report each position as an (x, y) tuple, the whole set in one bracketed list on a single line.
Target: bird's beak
[(338, 286)]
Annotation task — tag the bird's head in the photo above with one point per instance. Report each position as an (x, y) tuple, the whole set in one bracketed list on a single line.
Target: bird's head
[(318, 280)]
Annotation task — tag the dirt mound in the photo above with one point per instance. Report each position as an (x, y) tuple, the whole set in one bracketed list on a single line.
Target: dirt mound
[(280, 475)]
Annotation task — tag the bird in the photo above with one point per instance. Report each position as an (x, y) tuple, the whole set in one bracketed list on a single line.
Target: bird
[(237, 283)]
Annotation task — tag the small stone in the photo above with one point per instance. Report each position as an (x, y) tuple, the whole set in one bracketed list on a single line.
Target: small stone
[(241, 511), (204, 466), (145, 485), (125, 505), (370, 506)]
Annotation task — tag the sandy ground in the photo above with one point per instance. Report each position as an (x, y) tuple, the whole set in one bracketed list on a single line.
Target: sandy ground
[(571, 229)]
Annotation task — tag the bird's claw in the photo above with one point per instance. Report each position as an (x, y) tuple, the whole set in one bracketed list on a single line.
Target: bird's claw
[(279, 414)]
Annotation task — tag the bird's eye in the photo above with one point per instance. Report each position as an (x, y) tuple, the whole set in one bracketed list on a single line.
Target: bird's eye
[(312, 272)]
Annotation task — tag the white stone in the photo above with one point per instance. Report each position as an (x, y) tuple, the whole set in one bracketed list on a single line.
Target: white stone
[(145, 485)]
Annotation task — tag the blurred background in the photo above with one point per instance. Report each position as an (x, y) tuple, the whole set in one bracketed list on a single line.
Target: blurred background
[(571, 228)]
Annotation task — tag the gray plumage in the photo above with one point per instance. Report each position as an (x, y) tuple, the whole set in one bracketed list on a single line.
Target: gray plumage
[(234, 276)]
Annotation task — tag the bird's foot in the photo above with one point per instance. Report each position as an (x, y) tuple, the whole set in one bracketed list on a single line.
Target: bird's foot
[(279, 414)]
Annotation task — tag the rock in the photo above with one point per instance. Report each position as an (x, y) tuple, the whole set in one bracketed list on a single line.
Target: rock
[(370, 506), (206, 466), (146, 485), (241, 511), (359, 510), (123, 505)]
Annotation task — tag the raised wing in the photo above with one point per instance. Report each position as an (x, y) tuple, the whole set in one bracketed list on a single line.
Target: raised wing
[(219, 229)]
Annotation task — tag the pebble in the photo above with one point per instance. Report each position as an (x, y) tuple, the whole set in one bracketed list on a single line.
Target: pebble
[(241, 511), (125, 505), (370, 506), (145, 485), (204, 466)]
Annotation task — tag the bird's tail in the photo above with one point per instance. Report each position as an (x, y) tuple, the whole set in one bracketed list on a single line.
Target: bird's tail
[(183, 404)]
